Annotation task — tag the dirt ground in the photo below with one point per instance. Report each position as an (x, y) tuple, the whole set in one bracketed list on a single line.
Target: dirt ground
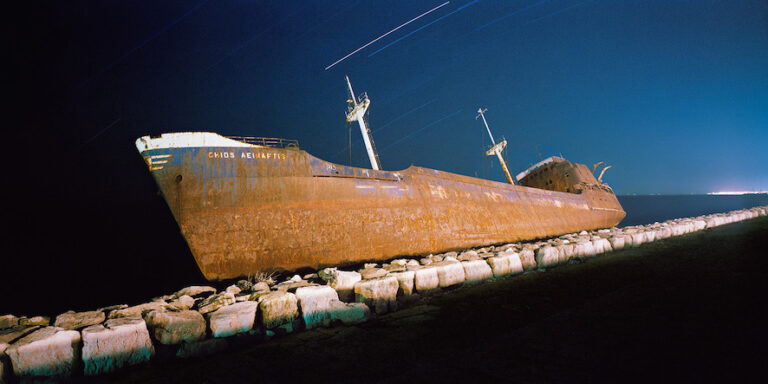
[(692, 308)]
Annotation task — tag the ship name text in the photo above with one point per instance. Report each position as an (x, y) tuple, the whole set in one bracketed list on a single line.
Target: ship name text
[(246, 155)]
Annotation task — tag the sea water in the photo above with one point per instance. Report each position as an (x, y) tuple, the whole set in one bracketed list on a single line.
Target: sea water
[(647, 209)]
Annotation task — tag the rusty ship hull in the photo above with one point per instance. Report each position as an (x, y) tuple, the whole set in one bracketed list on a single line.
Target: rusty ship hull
[(245, 208)]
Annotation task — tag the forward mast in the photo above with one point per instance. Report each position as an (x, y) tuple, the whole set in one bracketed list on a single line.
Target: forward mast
[(497, 148), (356, 112)]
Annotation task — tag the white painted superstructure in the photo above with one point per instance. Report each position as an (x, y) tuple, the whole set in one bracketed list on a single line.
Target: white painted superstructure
[(187, 140)]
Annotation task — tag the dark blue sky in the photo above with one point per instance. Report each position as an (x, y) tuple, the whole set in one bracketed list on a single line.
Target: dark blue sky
[(672, 94)]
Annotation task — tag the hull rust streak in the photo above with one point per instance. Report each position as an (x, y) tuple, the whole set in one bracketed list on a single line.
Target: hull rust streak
[(245, 208)]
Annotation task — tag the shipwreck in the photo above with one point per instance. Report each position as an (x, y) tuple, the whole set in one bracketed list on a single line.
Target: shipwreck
[(248, 205)]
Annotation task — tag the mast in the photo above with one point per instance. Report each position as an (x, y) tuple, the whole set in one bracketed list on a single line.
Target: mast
[(356, 111), (497, 148)]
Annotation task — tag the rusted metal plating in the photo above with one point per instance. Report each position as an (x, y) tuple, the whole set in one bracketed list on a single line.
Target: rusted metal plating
[(246, 209)]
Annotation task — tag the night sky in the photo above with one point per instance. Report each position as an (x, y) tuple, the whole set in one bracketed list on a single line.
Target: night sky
[(672, 94)]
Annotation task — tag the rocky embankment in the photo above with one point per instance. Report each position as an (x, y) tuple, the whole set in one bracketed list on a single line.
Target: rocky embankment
[(200, 320)]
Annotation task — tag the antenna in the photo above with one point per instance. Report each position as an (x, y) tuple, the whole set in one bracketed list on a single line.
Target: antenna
[(600, 179), (497, 148), (595, 166), (356, 112)]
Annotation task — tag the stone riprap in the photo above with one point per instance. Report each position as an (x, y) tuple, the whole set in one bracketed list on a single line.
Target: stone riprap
[(279, 310), (425, 280), (115, 344), (200, 320), (8, 336), (49, 351), (405, 280), (7, 321), (233, 319), (315, 303), (75, 320), (176, 327), (139, 310), (506, 263), (194, 291), (449, 273), (35, 320), (214, 302), (379, 294), (344, 284), (476, 270)]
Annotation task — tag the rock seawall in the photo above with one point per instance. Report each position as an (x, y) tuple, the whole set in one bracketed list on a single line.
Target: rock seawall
[(202, 320)]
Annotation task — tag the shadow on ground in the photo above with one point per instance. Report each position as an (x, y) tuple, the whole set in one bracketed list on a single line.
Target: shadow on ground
[(691, 308)]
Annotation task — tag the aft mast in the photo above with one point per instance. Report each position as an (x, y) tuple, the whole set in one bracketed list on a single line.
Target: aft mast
[(356, 112), (497, 148)]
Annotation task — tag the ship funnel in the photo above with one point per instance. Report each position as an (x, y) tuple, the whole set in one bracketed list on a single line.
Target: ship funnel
[(356, 112), (497, 148)]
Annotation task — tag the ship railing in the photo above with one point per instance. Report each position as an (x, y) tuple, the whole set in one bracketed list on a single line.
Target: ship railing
[(273, 142)]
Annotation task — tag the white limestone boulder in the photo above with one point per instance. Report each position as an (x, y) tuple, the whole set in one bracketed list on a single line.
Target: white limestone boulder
[(506, 263), (400, 262), (233, 289), (449, 273), (49, 351), (182, 303), (601, 245), (584, 248), (425, 280), (279, 310), (138, 310), (528, 258), (405, 281), (547, 256), (617, 242), (43, 321), (637, 239), (373, 273), (5, 366), (195, 290), (379, 294), (468, 256), (565, 251), (315, 305), (215, 302), (476, 271), (8, 336), (176, 327), (117, 343), (75, 320), (232, 319), (7, 321), (344, 284)]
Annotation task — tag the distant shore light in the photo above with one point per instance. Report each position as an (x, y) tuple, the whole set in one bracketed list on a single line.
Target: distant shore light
[(737, 192)]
